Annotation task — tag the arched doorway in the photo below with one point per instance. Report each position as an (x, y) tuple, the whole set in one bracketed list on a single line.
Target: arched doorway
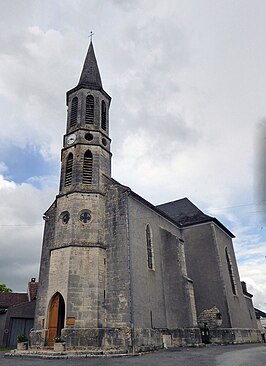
[(56, 317)]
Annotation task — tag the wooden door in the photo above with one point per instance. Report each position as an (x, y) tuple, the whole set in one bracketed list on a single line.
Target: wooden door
[(53, 320)]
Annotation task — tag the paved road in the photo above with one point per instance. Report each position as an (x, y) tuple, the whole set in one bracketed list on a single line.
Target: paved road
[(241, 355)]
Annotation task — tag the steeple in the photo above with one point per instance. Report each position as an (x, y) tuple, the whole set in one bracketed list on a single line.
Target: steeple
[(86, 156), (90, 76)]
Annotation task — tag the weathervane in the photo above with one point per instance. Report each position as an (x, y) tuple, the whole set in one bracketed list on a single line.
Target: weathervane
[(90, 36)]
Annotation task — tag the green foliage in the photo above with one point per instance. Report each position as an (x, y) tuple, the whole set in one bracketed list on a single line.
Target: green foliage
[(58, 339), (22, 338), (3, 288)]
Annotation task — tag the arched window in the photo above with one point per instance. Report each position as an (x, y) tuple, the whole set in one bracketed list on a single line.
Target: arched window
[(87, 168), (230, 270), (74, 112), (149, 248), (103, 116), (69, 165), (89, 114)]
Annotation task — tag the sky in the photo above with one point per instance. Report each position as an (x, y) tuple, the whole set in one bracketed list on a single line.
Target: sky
[(187, 119)]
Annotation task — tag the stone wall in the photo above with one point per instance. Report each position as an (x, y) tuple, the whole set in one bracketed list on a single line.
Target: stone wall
[(160, 296), (212, 318), (234, 336), (117, 295)]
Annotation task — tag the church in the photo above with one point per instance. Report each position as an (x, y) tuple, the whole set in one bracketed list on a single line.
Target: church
[(118, 273)]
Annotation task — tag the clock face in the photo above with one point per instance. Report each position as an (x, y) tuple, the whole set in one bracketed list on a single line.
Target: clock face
[(71, 139)]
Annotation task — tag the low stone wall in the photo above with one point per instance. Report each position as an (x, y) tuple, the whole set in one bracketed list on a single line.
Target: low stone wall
[(120, 339), (38, 338), (152, 339), (142, 339), (234, 336)]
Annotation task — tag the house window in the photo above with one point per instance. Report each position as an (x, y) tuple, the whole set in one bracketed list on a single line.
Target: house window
[(87, 168), (149, 248), (74, 112), (89, 114), (69, 165), (103, 116), (230, 271)]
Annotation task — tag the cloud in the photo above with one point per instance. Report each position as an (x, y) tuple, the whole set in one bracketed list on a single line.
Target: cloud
[(3, 167), (184, 105), (21, 231), (253, 275)]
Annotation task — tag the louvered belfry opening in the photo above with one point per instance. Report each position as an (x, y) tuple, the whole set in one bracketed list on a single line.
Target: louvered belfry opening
[(87, 168), (69, 166), (103, 114), (74, 112), (89, 114)]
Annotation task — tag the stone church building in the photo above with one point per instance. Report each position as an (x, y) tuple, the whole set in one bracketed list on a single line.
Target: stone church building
[(118, 273)]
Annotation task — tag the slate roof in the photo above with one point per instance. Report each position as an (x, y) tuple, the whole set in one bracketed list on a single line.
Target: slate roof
[(8, 299), (185, 213), (143, 201), (90, 75)]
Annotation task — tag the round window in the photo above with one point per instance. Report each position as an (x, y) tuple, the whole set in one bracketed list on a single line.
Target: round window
[(85, 216), (89, 136), (104, 142)]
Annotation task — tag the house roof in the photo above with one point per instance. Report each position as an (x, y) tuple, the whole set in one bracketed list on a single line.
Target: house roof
[(8, 299), (185, 213)]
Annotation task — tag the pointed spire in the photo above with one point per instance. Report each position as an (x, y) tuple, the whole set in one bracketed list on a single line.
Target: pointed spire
[(90, 75)]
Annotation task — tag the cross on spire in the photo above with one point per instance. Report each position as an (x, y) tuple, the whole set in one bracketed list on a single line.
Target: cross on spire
[(90, 36)]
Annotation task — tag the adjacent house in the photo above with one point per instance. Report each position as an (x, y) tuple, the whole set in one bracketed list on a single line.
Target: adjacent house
[(17, 314)]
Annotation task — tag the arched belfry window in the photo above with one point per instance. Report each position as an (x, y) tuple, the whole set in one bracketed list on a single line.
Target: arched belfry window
[(87, 168), (230, 270), (149, 248), (69, 166), (103, 116), (74, 112), (89, 114)]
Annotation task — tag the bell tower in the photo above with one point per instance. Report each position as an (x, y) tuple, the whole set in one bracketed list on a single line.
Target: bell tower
[(86, 146), (72, 281)]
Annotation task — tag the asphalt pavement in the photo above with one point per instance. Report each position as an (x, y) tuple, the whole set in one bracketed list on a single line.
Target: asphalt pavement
[(231, 355)]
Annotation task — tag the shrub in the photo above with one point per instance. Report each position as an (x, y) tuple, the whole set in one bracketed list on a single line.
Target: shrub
[(22, 338)]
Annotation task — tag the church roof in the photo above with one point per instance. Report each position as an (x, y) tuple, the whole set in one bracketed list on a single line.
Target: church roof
[(259, 313), (185, 213), (145, 202), (90, 76)]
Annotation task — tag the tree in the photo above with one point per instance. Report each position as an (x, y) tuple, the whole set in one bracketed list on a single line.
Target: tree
[(3, 288)]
